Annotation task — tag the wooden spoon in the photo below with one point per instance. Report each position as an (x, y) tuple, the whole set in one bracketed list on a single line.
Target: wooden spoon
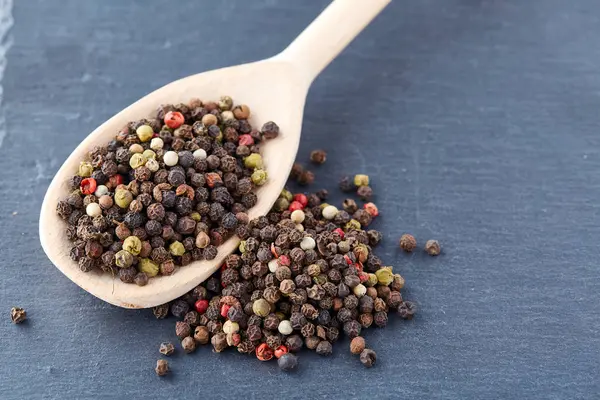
[(274, 89)]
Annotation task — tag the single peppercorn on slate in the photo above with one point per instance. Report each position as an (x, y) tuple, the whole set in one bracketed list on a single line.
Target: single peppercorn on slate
[(17, 315), (432, 247), (166, 191), (318, 156), (408, 242), (162, 367)]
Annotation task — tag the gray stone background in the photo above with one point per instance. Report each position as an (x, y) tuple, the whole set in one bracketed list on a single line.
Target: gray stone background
[(477, 120)]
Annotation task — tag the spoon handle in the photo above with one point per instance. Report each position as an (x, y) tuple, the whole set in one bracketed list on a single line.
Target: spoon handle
[(330, 33)]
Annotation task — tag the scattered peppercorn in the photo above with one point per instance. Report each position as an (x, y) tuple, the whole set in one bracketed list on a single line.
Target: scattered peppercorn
[(318, 156), (368, 358), (166, 348), (17, 315), (287, 362), (432, 247), (357, 345), (303, 275), (408, 242), (162, 367)]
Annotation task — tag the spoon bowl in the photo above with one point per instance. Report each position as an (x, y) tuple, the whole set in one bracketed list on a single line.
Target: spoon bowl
[(274, 89)]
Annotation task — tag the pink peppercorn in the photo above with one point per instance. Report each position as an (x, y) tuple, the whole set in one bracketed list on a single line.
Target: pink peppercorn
[(281, 350), (224, 310), (340, 232), (174, 119), (201, 306), (245, 140), (371, 209), (284, 260), (302, 199), (296, 205)]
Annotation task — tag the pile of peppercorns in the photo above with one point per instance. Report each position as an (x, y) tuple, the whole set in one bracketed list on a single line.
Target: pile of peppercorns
[(303, 275), (165, 191)]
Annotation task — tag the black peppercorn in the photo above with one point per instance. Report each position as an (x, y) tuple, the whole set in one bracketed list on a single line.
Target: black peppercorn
[(179, 308)]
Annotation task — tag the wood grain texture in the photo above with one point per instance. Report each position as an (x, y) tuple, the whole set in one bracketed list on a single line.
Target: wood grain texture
[(478, 123)]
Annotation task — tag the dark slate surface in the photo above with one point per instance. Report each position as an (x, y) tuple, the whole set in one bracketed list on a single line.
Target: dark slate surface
[(478, 122)]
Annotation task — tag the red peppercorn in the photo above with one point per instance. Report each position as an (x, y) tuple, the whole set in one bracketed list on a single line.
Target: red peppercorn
[(224, 310), (302, 199), (213, 179), (340, 232), (115, 181), (264, 352), (201, 306), (174, 119), (281, 350), (236, 339), (296, 205), (363, 277), (371, 209), (88, 186), (284, 260), (245, 140), (348, 260)]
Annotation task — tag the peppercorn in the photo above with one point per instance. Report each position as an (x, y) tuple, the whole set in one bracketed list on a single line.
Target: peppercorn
[(432, 247), (306, 178), (270, 130), (408, 242), (182, 329), (133, 245), (179, 308), (201, 335), (357, 345), (188, 344), (398, 283), (406, 310), (127, 275), (162, 367), (17, 315), (219, 342), (287, 362), (166, 348), (368, 358), (365, 193)]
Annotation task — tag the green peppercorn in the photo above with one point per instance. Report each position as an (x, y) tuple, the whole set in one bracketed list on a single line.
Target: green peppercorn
[(242, 247), (254, 160), (85, 169), (352, 224), (133, 244), (137, 160), (281, 204), (259, 177), (123, 259), (261, 307), (123, 198), (149, 154), (148, 266), (176, 248), (196, 216), (144, 133), (372, 280), (385, 276), (361, 180), (286, 194)]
